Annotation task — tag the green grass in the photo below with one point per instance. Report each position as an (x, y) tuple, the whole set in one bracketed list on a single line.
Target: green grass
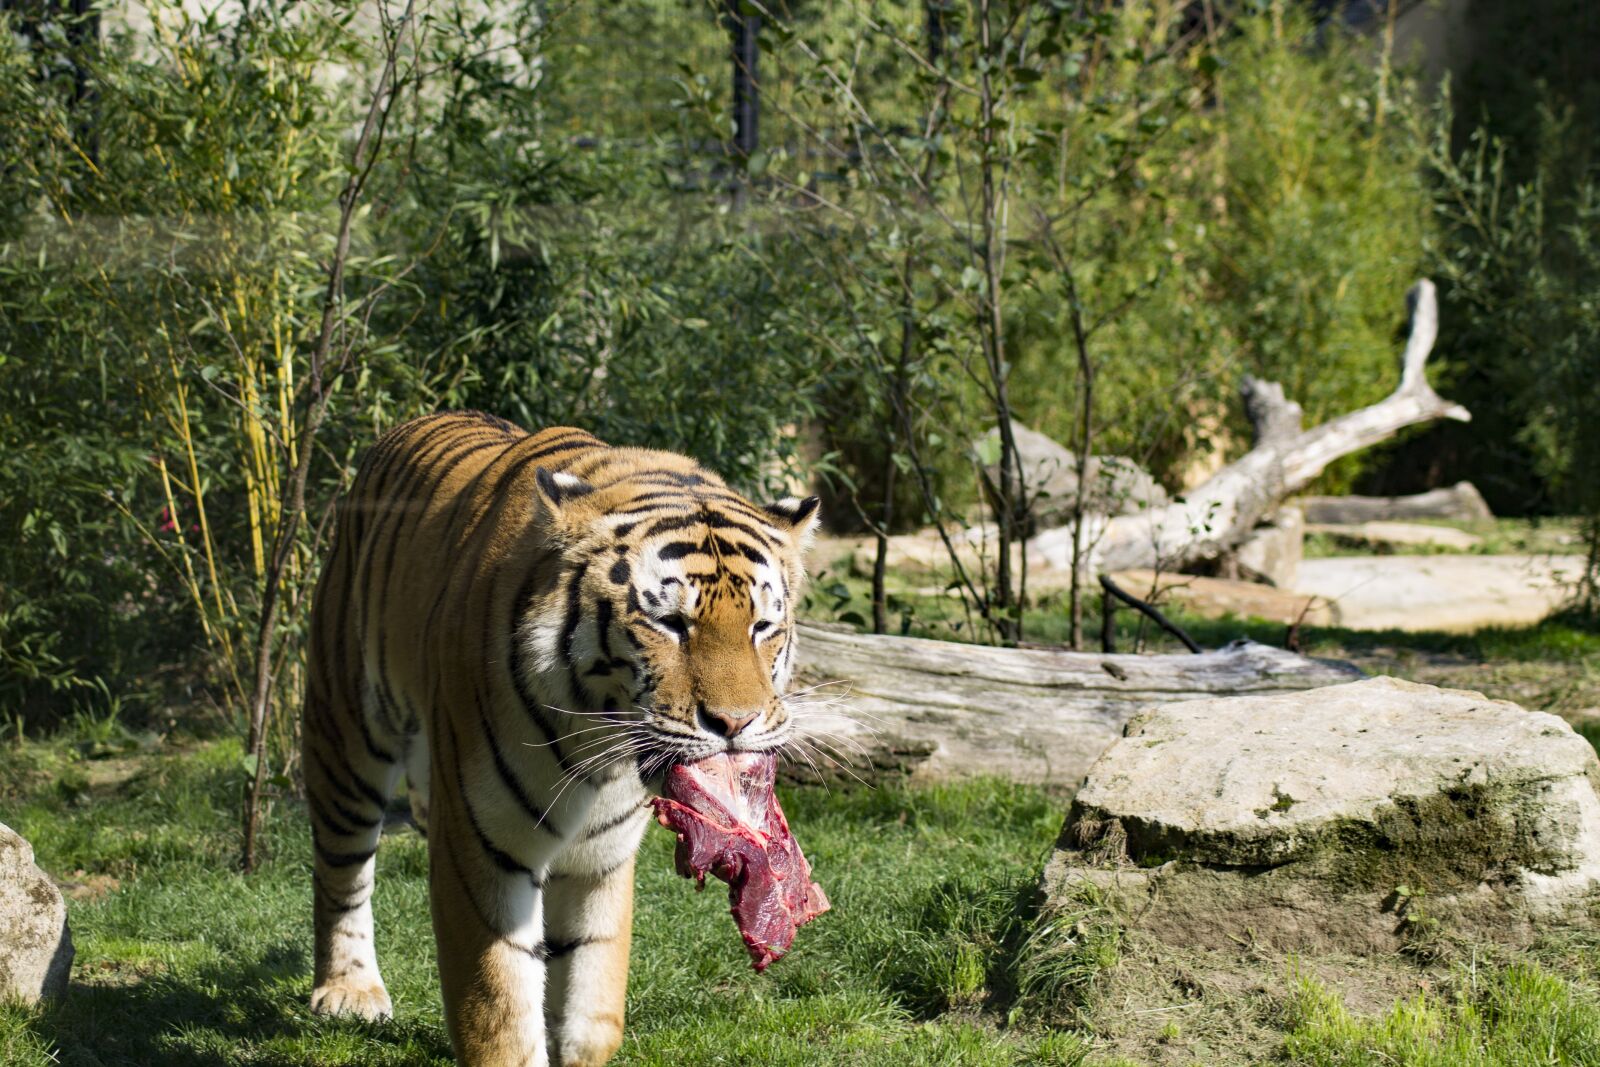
[(1514, 1016), (1535, 536), (932, 956), (187, 962)]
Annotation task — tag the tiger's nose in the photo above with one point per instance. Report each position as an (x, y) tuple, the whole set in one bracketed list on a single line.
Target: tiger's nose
[(720, 722)]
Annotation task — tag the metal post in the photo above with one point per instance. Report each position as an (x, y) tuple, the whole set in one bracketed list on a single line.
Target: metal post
[(935, 32), (1108, 622), (83, 30), (744, 28)]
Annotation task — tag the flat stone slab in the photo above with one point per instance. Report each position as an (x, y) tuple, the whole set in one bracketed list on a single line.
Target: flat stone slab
[(1313, 818), (1399, 533), (1450, 593)]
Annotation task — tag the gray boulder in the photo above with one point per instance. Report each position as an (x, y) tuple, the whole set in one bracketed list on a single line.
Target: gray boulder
[(1361, 818), (35, 943), (1273, 551), (1117, 485)]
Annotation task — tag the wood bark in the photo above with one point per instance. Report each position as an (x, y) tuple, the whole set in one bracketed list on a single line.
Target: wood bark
[(905, 706), (1459, 501), (1221, 513)]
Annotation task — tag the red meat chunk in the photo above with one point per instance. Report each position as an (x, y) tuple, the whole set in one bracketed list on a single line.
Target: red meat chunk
[(728, 822)]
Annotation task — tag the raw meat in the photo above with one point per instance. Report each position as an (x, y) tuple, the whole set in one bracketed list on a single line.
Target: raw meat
[(728, 822)]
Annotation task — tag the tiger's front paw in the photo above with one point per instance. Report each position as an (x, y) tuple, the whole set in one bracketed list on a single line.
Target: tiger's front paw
[(367, 1000), (590, 1043)]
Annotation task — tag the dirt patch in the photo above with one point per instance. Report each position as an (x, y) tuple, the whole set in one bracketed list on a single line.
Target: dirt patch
[(1166, 1006), (83, 886)]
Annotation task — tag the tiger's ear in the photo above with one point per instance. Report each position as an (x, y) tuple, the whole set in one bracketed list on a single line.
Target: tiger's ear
[(799, 517), (560, 494)]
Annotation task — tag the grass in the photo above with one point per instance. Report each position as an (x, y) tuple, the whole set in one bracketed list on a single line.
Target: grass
[(932, 956), (182, 961), (1513, 1016), (1532, 536)]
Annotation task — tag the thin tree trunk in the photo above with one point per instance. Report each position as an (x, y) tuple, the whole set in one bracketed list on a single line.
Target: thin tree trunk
[(1108, 622), (318, 392), (1006, 607), (880, 561), (1086, 373)]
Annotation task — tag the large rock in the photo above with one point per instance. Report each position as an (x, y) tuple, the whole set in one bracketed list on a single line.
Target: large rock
[(35, 943), (1441, 592), (1117, 485), (1461, 501), (1273, 551), (1359, 818)]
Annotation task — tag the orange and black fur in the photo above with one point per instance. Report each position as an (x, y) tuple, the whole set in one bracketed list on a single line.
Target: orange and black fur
[(532, 628)]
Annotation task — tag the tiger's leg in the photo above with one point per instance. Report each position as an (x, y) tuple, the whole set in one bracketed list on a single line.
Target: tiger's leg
[(349, 777), (418, 779), (488, 925), (589, 926)]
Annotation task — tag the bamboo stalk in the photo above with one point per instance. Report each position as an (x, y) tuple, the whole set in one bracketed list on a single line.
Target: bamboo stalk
[(191, 581)]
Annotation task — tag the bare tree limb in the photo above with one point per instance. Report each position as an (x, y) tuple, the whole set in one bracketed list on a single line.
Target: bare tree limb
[(1285, 458), (319, 387), (1149, 611)]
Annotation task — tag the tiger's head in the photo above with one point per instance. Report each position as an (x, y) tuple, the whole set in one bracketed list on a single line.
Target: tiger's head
[(667, 634)]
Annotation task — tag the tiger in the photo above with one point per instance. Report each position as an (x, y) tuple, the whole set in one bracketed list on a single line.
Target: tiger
[(530, 629)]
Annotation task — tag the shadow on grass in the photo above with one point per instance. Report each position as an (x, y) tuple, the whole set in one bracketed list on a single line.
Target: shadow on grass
[(961, 946), (1565, 635), (215, 1015)]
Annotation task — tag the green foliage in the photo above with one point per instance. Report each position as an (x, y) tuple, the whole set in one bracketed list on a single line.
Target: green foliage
[(1511, 152), (554, 237), (1250, 201), (1269, 228), (667, 335), (1321, 216), (1522, 272), (158, 255), (164, 244)]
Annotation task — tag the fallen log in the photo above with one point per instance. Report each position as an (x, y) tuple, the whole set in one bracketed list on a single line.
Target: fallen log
[(1221, 513), (1461, 501), (886, 707)]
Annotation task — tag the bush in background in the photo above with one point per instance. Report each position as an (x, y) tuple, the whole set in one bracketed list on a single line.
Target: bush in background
[(163, 247)]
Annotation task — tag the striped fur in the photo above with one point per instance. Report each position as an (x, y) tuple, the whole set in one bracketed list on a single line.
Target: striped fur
[(531, 628)]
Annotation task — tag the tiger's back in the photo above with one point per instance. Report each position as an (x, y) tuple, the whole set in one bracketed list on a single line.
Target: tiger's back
[(529, 626)]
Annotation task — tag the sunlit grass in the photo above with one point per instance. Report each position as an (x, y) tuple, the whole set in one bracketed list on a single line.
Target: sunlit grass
[(188, 962), (1498, 536), (1516, 1016)]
